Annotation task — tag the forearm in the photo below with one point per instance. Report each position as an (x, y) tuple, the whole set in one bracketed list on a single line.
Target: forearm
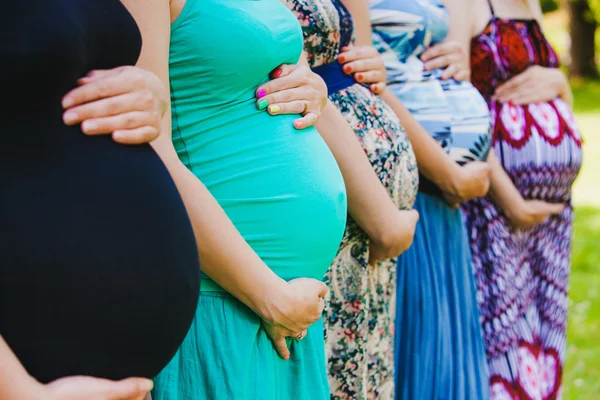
[(225, 256), (502, 190), (369, 203), (15, 382), (432, 160)]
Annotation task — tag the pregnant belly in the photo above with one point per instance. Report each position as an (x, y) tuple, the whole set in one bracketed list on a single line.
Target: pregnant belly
[(99, 272), (281, 188)]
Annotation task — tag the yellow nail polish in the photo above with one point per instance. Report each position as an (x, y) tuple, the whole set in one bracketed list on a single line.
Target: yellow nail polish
[(274, 109)]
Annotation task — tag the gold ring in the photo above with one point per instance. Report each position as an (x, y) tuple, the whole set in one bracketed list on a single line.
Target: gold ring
[(300, 336)]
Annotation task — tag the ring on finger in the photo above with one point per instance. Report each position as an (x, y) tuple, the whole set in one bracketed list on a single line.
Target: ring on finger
[(300, 336)]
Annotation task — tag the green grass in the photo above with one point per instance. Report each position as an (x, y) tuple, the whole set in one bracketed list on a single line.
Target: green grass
[(583, 353)]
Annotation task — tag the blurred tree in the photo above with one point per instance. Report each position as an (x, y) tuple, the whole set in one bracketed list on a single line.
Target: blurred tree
[(582, 30)]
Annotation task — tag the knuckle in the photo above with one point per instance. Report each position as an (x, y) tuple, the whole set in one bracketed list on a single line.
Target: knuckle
[(147, 99)]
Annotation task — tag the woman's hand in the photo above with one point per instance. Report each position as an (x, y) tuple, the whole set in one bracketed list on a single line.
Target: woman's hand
[(470, 181), (535, 84), (366, 64), (396, 238), (127, 102), (294, 89), (530, 213), (291, 309), (451, 57), (88, 388)]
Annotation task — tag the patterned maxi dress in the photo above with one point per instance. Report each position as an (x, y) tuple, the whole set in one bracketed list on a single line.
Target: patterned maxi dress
[(523, 276), (440, 353), (359, 317)]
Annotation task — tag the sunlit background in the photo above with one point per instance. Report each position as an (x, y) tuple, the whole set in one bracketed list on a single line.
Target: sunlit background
[(582, 375)]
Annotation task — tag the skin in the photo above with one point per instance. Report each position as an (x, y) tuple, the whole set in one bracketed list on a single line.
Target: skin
[(459, 184), (522, 214)]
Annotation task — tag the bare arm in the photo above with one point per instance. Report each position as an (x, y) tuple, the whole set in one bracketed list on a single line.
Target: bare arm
[(368, 201), (461, 27), (359, 9), (15, 382)]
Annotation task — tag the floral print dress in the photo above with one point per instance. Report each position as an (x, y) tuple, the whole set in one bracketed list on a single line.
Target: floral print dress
[(522, 276), (359, 317)]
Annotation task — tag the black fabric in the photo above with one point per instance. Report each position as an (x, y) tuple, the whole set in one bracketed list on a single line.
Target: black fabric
[(99, 271)]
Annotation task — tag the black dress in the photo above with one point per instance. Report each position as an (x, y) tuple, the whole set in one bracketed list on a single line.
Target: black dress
[(99, 271)]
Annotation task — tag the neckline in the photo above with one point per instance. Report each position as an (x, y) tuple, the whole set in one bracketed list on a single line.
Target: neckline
[(495, 18)]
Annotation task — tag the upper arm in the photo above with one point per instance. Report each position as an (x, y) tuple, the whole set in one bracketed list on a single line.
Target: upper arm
[(461, 23), (154, 21), (359, 10)]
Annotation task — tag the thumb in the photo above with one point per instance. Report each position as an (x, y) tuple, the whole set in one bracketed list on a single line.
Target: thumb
[(128, 388), (322, 289), (281, 71)]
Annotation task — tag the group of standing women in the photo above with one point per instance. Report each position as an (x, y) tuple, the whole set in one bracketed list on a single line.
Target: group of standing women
[(289, 142)]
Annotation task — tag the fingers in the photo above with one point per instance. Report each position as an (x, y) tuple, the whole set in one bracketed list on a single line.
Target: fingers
[(554, 209), (439, 50), (378, 88), (107, 86), (282, 70), (363, 65), (134, 101), (308, 120), (374, 76), (511, 85), (352, 53), (127, 121), (291, 77), (439, 62), (302, 94), (322, 289), (129, 388), (144, 134), (281, 347)]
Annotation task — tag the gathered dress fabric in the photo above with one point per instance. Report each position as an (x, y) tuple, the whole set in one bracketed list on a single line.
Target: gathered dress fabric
[(522, 276), (99, 270), (439, 341), (360, 313), (281, 188)]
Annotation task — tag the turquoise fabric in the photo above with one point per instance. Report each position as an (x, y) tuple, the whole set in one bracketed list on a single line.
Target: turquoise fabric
[(230, 358), (280, 186), (439, 341)]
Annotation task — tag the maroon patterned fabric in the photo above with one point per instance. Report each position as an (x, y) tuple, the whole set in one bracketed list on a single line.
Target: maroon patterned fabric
[(522, 276)]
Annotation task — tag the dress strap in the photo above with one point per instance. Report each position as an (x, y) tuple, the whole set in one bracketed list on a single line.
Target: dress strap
[(491, 8)]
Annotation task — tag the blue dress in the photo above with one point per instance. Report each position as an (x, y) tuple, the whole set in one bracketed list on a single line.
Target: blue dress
[(439, 345)]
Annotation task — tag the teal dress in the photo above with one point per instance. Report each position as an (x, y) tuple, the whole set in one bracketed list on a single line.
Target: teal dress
[(281, 187)]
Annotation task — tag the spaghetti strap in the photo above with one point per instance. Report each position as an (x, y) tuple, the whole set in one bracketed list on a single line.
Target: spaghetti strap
[(491, 8)]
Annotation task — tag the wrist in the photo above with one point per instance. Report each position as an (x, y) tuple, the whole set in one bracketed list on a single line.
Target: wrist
[(273, 301), (449, 180)]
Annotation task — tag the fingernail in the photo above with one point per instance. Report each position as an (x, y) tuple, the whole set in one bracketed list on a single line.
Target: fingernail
[(69, 117), (88, 126), (262, 104), (359, 77), (67, 102), (286, 357), (298, 124), (347, 69), (274, 109), (341, 59), (277, 72), (261, 93)]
